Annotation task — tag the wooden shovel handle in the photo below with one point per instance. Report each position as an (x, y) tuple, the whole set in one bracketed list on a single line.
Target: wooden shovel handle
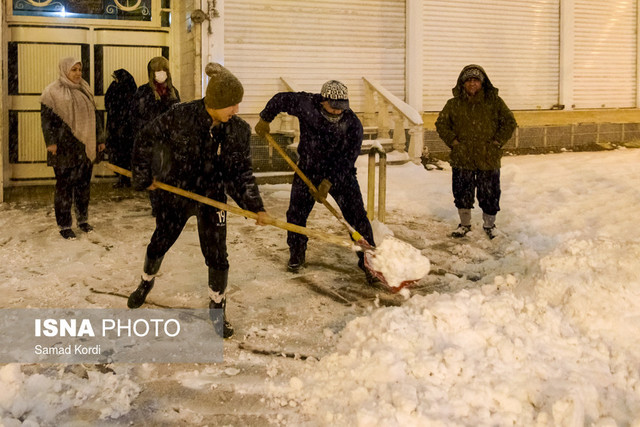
[(314, 191), (330, 238)]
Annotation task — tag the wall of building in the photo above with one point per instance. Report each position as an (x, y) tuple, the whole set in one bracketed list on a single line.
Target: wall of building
[(551, 131), (187, 46)]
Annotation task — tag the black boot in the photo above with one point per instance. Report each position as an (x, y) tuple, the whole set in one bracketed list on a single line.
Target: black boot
[(296, 260), (137, 297), (220, 324), (218, 285), (369, 276)]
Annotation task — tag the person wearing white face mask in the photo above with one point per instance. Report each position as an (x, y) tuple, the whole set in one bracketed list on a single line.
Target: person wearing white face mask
[(153, 99), (160, 76)]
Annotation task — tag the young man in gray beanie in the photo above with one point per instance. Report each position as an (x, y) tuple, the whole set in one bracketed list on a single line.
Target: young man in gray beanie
[(475, 124), (330, 143), (203, 147)]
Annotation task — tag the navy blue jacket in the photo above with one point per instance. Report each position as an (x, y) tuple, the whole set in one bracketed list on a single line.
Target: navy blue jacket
[(327, 150), (180, 148)]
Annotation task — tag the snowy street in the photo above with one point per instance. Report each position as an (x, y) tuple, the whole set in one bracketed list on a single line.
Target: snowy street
[(536, 327)]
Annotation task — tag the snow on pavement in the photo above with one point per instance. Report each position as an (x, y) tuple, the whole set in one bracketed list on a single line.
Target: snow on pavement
[(545, 333)]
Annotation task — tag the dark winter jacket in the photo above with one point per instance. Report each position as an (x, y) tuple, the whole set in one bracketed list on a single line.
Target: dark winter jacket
[(476, 123), (146, 107), (71, 152), (118, 101), (180, 148), (326, 149)]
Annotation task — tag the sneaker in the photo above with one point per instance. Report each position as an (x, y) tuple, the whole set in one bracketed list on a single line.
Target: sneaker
[(461, 231), (85, 227), (68, 234), (137, 297), (296, 262), (491, 232)]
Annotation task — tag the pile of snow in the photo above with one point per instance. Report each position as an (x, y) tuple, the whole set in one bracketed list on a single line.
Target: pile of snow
[(38, 398), (479, 357), (399, 262), (596, 283), (547, 337)]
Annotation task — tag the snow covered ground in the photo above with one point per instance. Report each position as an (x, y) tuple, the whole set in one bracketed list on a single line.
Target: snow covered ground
[(538, 327)]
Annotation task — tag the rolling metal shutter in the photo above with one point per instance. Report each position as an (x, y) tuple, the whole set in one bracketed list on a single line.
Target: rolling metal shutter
[(311, 42), (515, 41), (605, 54)]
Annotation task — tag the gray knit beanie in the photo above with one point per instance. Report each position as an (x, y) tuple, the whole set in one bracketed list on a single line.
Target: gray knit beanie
[(224, 89), (336, 93)]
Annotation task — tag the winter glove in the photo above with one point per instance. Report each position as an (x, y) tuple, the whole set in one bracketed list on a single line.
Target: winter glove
[(262, 128), (100, 156), (323, 191)]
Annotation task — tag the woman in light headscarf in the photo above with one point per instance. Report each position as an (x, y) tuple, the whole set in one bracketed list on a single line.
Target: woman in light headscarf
[(72, 130)]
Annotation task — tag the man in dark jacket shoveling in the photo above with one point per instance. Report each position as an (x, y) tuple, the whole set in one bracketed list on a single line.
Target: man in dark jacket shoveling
[(475, 124), (202, 147), (330, 142)]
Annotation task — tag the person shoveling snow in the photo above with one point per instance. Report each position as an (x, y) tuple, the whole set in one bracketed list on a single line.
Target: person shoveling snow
[(397, 264)]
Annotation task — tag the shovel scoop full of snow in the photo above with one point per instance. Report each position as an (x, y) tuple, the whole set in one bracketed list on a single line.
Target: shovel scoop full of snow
[(397, 264)]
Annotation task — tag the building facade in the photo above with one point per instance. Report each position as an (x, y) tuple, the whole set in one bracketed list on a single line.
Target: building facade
[(544, 55)]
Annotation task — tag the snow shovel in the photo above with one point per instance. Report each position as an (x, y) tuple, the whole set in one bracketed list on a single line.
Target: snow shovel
[(369, 251), (329, 238), (321, 196)]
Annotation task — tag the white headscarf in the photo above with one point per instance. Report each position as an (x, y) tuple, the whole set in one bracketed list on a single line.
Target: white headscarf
[(74, 104)]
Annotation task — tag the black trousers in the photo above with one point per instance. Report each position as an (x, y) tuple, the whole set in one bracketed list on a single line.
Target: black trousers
[(73, 188), (345, 192), (172, 214), (466, 184)]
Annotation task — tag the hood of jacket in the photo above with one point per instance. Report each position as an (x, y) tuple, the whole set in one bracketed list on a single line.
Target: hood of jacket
[(489, 89), (125, 80)]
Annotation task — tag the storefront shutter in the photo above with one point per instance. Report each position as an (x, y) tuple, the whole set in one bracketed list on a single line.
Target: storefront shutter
[(515, 41), (312, 42), (605, 54)]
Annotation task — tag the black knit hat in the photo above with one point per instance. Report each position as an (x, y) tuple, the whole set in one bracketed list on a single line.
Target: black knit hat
[(224, 89)]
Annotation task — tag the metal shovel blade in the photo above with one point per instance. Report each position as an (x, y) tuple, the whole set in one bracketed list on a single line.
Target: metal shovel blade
[(369, 254)]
